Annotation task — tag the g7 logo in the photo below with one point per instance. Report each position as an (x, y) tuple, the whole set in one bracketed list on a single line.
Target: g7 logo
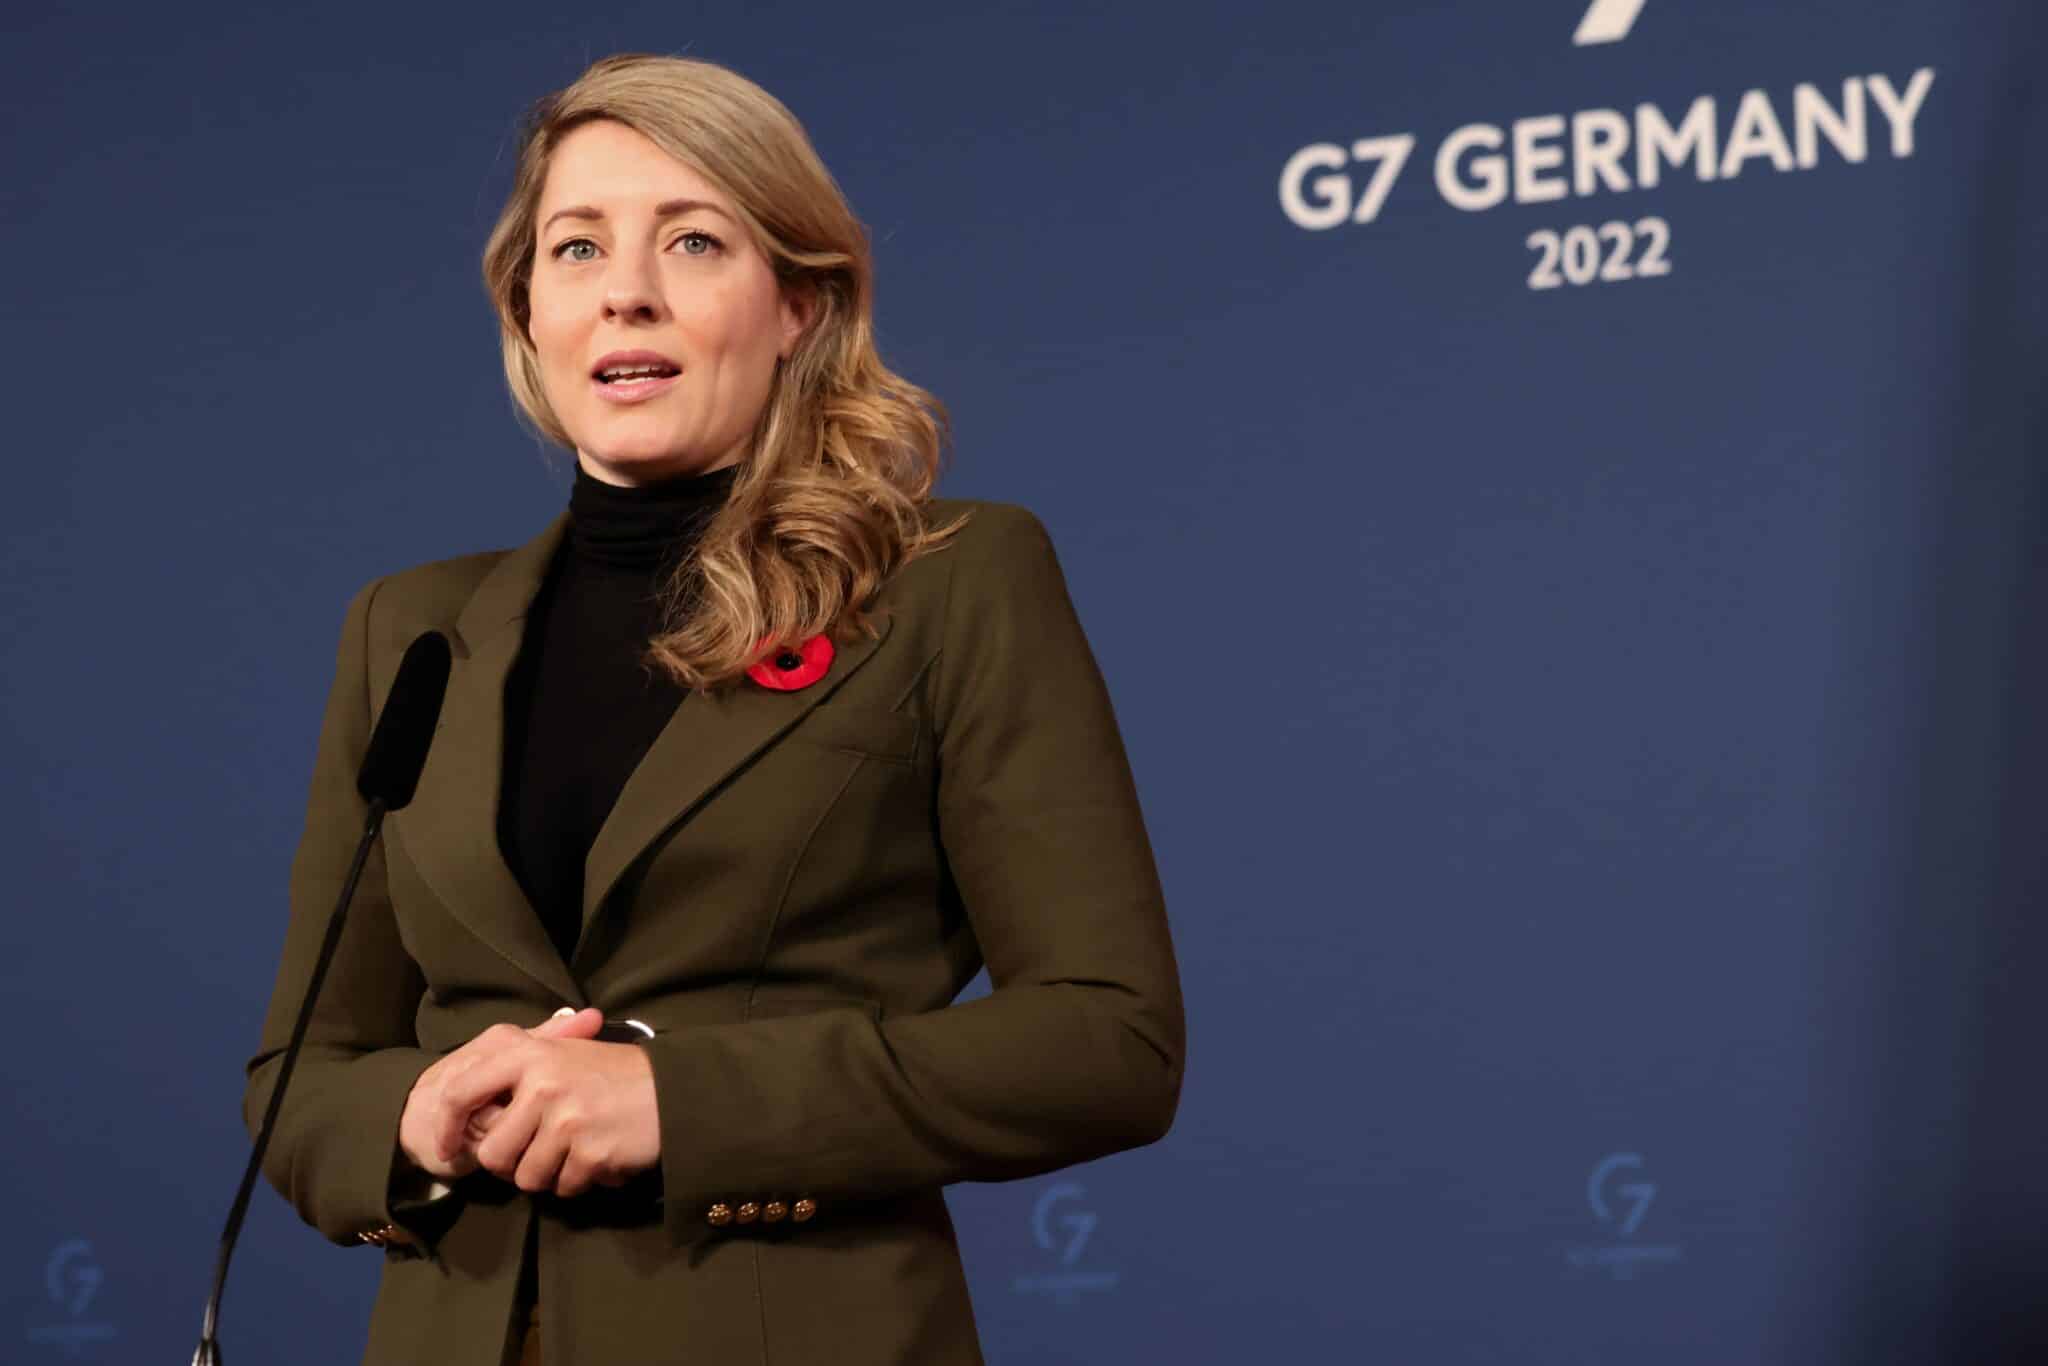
[(1080, 1223), (1607, 21), (72, 1276), (1639, 1193)]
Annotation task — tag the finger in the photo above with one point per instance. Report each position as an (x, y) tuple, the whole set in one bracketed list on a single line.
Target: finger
[(488, 1077), (459, 1166), (494, 1039), (488, 1043), (543, 1160), (480, 1121), (574, 1024), (447, 1127), (575, 1177), (511, 1134), (457, 1128)]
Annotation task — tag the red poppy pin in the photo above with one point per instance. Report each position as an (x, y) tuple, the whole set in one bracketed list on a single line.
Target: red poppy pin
[(787, 670)]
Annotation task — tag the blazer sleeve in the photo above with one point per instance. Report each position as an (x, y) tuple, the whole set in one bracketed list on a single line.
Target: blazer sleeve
[(334, 1153), (1075, 1053)]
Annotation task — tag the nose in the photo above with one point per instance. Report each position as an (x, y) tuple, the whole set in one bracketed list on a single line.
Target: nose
[(632, 287)]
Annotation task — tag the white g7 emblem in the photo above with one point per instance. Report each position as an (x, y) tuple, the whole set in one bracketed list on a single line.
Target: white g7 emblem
[(1607, 21)]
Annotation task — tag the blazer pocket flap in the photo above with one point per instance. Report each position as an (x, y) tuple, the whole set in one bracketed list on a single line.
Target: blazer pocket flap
[(862, 730)]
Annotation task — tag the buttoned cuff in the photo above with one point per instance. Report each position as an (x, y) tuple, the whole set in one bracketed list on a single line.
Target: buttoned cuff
[(693, 1209)]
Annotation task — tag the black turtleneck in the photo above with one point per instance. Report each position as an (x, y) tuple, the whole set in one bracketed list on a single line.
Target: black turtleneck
[(581, 708)]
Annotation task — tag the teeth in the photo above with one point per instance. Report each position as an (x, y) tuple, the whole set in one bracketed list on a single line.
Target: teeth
[(638, 372)]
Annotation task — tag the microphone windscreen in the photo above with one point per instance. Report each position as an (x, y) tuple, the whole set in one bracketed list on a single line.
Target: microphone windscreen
[(405, 728)]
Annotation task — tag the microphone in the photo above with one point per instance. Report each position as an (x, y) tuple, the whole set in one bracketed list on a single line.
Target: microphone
[(405, 728), (390, 771)]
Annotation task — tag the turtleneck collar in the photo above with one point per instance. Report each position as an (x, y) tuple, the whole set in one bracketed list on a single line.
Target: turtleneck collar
[(637, 527)]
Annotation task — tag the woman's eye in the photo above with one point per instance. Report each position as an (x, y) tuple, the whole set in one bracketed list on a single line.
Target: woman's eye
[(694, 244)]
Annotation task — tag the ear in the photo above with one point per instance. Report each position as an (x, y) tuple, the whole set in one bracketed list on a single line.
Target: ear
[(799, 307)]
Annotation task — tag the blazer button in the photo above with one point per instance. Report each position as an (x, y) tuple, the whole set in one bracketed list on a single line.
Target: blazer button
[(803, 1209), (748, 1213), (719, 1215), (774, 1212)]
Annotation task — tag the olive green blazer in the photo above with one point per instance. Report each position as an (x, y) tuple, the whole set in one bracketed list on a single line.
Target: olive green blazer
[(791, 890)]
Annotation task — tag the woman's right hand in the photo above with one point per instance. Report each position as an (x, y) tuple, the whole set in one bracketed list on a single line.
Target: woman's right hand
[(417, 1126)]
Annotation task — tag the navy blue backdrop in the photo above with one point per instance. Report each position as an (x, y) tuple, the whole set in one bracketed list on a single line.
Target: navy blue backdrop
[(1556, 493)]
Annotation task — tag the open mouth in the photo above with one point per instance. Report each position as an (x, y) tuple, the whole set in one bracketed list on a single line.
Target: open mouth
[(629, 375)]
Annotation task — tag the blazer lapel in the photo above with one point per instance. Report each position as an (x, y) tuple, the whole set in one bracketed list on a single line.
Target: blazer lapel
[(710, 736), (451, 826)]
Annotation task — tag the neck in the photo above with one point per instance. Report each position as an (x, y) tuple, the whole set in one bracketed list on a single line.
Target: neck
[(642, 527), (644, 475)]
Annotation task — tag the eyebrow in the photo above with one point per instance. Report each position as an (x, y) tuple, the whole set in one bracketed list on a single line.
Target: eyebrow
[(667, 208)]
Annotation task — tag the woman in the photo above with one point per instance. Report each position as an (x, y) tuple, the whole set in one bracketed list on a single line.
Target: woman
[(748, 761)]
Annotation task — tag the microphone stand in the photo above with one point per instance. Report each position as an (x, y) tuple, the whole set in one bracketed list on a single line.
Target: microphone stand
[(208, 1351)]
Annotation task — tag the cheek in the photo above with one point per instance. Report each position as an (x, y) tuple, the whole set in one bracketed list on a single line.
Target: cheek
[(551, 332), (739, 325)]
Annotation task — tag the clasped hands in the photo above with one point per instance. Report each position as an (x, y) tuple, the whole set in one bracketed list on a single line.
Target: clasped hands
[(548, 1108)]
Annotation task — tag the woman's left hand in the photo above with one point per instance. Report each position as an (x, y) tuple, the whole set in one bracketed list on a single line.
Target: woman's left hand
[(579, 1113)]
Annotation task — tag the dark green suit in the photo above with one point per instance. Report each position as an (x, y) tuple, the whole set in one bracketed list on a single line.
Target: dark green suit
[(791, 889)]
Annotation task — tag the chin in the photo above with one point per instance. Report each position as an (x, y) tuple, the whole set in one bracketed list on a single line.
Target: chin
[(637, 459)]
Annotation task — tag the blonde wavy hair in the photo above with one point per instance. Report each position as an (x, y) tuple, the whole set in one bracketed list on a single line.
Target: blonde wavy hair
[(845, 453)]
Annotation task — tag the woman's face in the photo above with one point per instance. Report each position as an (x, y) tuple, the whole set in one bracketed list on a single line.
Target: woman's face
[(636, 252)]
